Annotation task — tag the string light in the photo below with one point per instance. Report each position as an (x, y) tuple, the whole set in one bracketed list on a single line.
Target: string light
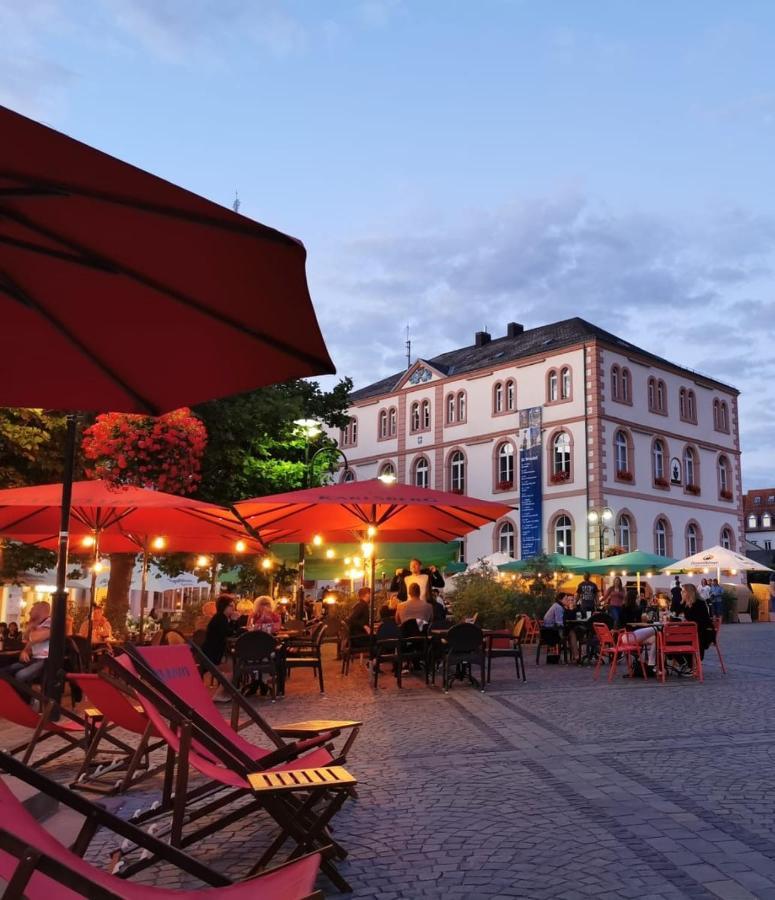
[(240, 547), (266, 563), (89, 540), (317, 540), (371, 531), (330, 554), (202, 561), (158, 543)]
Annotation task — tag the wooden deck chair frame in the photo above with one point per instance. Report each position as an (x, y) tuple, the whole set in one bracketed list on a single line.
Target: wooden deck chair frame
[(32, 860)]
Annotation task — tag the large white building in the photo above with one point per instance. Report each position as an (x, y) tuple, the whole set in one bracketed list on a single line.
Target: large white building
[(621, 430)]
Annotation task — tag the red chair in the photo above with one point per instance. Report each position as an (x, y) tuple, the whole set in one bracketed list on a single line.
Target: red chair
[(680, 638), (606, 644), (35, 865), (716, 631), (626, 647)]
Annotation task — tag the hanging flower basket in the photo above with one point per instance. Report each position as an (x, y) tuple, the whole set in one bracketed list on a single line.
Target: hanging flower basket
[(624, 475), (559, 477)]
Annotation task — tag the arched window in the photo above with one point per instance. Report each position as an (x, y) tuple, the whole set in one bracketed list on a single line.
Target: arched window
[(426, 414), (450, 408), (660, 537), (506, 535), (422, 473), (692, 546), (624, 532), (497, 397), (682, 403), (690, 472), (505, 465), (661, 396), (414, 417), (563, 535), (565, 383), (626, 386), (658, 452), (457, 472), (350, 433), (652, 393), (511, 395), (621, 453), (724, 416), (691, 406), (347, 476), (724, 478), (461, 406), (552, 386), (614, 382), (727, 541), (387, 469), (392, 421), (717, 415), (561, 455), (383, 424)]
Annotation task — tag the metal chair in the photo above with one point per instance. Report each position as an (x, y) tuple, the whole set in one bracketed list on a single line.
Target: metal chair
[(307, 654), (462, 647), (255, 654)]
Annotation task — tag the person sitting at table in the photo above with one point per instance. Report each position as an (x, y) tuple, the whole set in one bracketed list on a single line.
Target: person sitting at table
[(263, 617), (32, 659), (13, 635), (631, 610), (426, 578), (696, 610), (439, 609), (219, 630), (647, 637), (415, 607), (101, 629), (358, 620), (553, 624)]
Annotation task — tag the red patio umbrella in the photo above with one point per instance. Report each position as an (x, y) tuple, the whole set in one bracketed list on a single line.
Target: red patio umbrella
[(122, 292), (375, 510), (122, 520)]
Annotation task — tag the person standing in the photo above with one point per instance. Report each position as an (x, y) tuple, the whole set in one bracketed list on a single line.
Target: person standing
[(614, 597), (717, 599), (704, 590), (675, 597), (427, 579), (586, 594)]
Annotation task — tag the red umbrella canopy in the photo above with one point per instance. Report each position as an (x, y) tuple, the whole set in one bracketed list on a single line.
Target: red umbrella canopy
[(417, 514), (126, 519), (120, 291)]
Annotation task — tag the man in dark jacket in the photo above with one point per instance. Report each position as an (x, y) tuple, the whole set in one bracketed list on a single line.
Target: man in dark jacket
[(358, 620), (427, 579)]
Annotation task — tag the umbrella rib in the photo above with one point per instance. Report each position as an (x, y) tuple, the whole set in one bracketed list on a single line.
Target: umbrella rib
[(18, 521), (292, 508), (248, 228), (13, 290), (432, 536), (90, 258), (460, 518), (393, 510)]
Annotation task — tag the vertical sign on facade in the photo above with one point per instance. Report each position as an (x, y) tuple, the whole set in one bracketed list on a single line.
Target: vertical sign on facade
[(530, 492)]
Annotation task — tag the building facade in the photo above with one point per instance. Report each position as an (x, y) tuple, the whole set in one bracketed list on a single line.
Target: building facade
[(621, 430), (759, 516)]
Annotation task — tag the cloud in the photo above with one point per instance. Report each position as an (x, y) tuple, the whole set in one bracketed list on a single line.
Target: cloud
[(698, 292)]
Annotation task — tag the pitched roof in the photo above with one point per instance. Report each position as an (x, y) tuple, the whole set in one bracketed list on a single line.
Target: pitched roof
[(544, 339)]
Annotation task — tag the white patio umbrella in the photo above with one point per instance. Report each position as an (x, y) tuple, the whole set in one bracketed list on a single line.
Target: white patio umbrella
[(717, 558)]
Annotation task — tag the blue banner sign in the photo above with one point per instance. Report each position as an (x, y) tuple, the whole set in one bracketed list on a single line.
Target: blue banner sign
[(530, 490)]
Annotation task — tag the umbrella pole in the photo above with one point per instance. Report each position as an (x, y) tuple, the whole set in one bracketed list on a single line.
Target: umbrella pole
[(373, 590), (143, 592), (55, 679), (93, 586), (300, 589)]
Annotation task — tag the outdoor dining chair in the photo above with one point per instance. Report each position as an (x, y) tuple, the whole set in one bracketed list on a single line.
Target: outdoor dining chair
[(408, 649), (461, 648), (36, 866), (255, 655), (680, 639), (306, 654), (716, 634), (507, 645), (552, 639)]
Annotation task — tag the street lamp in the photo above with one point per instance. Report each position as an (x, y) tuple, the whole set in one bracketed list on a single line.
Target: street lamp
[(600, 518)]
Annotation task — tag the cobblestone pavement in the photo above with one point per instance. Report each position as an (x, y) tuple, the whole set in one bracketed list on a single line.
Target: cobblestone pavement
[(558, 788)]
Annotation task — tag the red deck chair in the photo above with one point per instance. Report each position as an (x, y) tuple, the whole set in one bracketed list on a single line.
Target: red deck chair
[(680, 638), (716, 633), (70, 729), (36, 866), (116, 709), (288, 785)]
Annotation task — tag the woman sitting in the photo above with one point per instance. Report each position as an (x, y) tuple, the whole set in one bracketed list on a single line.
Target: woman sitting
[(263, 617)]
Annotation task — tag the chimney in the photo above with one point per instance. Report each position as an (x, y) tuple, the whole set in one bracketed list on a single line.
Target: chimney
[(481, 338), (513, 329)]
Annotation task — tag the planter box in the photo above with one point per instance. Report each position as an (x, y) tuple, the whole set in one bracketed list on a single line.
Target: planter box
[(661, 482), (693, 489), (726, 495), (625, 476), (559, 478), (505, 485)]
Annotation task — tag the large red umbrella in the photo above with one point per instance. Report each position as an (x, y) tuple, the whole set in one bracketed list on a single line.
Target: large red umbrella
[(108, 519), (122, 292), (373, 510)]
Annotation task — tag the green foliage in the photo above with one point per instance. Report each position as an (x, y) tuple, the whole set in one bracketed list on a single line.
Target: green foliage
[(31, 446), (254, 448), (538, 583), (20, 558)]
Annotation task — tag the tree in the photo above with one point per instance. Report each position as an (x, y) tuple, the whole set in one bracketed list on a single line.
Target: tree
[(163, 453)]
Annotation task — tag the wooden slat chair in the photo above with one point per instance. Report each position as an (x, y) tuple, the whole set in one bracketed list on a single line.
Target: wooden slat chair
[(36, 866)]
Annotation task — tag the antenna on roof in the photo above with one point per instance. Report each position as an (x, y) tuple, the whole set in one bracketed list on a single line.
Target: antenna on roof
[(408, 349), (235, 205)]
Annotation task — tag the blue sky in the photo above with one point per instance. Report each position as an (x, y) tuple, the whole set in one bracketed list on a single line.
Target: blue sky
[(453, 165)]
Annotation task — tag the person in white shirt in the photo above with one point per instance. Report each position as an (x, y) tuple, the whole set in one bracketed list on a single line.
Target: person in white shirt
[(704, 590), (32, 659)]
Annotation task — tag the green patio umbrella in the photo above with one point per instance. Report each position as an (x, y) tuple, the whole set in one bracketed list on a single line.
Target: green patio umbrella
[(633, 563), (555, 561)]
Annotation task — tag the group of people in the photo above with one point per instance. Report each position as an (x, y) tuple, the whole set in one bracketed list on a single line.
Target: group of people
[(619, 608)]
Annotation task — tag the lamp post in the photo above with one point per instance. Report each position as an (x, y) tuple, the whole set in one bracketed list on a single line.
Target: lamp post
[(600, 518)]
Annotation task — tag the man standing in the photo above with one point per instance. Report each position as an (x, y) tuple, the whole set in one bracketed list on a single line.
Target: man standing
[(676, 601), (586, 594), (426, 578), (717, 599)]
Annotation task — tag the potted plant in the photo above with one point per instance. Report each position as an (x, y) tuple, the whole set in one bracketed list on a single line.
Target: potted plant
[(506, 485), (559, 477), (693, 489), (661, 482), (624, 475)]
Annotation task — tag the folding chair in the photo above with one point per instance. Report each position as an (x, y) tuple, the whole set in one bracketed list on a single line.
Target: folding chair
[(36, 866), (198, 735), (115, 708), (52, 721), (680, 638), (507, 645)]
